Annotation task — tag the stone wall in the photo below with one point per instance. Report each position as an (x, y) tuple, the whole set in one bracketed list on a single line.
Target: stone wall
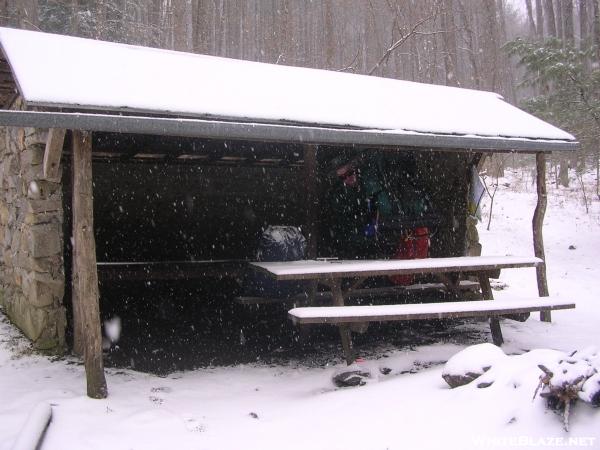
[(31, 247)]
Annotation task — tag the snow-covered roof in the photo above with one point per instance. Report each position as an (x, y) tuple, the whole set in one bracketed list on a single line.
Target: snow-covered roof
[(88, 75)]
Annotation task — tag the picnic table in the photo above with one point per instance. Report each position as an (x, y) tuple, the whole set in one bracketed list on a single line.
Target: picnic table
[(332, 272)]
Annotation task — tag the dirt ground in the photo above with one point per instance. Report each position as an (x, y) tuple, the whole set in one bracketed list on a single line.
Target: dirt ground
[(174, 326)]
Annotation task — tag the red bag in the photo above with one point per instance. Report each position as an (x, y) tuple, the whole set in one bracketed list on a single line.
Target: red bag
[(413, 245)]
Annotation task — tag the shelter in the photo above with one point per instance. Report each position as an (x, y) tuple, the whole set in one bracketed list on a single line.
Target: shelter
[(193, 155)]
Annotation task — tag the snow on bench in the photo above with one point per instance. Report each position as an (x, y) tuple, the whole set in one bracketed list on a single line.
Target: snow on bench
[(384, 313), (315, 269)]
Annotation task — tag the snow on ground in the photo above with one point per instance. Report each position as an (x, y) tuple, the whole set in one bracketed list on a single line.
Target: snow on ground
[(266, 407)]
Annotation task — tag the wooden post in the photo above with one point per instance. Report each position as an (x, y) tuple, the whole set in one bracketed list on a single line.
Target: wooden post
[(345, 333), (538, 238), (84, 265), (78, 337), (312, 204), (486, 291), (312, 198)]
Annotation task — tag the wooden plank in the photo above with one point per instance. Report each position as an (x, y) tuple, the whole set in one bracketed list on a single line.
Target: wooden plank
[(333, 269), (84, 264), (445, 310), (171, 270), (53, 153), (325, 297), (537, 225), (248, 301)]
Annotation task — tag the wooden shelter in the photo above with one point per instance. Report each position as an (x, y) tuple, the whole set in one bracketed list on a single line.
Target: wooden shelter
[(178, 141)]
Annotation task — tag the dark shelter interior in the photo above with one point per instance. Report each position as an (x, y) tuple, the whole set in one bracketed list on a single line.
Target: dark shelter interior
[(177, 218)]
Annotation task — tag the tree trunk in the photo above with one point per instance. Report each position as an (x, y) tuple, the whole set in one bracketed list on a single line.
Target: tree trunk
[(550, 18), (450, 45), (532, 28), (596, 28), (100, 24), (537, 224), (75, 17), (563, 172), (560, 28), (490, 45), (29, 15), (467, 20), (568, 21), (540, 20), (183, 32), (583, 25), (84, 264)]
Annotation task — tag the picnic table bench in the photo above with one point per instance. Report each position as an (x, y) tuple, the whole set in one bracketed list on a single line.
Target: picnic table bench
[(331, 273)]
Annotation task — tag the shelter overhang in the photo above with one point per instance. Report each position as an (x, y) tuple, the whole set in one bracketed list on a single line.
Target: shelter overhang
[(131, 89)]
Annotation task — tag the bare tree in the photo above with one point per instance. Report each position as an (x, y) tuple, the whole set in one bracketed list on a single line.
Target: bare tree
[(539, 12), (560, 23), (550, 17), (29, 14), (532, 28), (583, 25), (567, 6), (596, 27)]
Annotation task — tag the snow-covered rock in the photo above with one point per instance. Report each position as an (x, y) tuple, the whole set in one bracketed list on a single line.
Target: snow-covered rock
[(590, 391), (471, 363)]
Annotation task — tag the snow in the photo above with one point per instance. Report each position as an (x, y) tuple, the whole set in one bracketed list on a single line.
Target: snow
[(296, 406), (342, 267), (474, 359), (89, 74), (429, 308), (34, 427), (590, 388)]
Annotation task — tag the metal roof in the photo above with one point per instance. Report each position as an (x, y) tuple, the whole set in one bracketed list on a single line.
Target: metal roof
[(313, 113)]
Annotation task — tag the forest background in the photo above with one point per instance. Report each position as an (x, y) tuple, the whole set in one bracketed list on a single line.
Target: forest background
[(541, 55)]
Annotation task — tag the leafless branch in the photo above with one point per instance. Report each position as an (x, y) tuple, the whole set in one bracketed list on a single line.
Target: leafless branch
[(413, 31), (350, 67)]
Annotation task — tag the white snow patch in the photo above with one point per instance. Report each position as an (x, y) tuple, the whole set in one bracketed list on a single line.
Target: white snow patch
[(474, 359)]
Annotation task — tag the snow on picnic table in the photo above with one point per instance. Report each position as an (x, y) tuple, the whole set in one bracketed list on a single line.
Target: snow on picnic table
[(299, 408), (341, 268)]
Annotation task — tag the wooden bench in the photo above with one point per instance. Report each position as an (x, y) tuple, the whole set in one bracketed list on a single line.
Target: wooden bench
[(447, 310), (360, 293), (331, 273)]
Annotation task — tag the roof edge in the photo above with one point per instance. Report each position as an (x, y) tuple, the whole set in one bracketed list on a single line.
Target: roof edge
[(214, 129)]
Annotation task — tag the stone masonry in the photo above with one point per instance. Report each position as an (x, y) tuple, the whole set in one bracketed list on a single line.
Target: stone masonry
[(32, 277)]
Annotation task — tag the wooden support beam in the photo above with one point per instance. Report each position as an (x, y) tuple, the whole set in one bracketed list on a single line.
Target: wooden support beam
[(312, 206), (538, 238), (53, 153), (486, 291), (312, 199), (345, 333), (84, 265)]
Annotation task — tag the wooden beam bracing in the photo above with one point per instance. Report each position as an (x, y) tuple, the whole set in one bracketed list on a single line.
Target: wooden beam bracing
[(53, 154)]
